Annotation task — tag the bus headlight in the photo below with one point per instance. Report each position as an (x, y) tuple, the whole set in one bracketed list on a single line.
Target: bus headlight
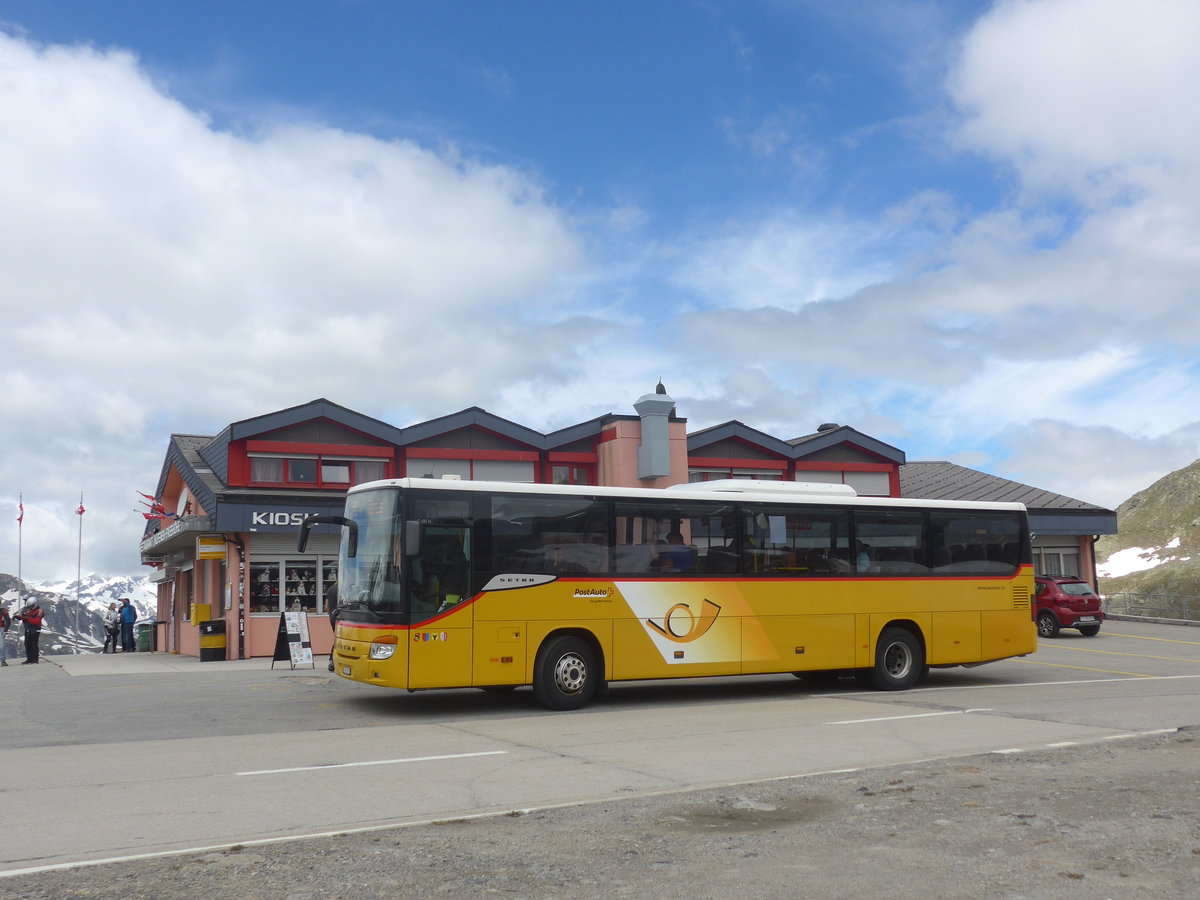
[(383, 647)]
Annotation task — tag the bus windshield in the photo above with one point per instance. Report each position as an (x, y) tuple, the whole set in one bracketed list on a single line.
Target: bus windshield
[(371, 580)]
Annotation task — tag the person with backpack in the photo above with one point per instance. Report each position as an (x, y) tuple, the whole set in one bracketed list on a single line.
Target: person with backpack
[(32, 617), (5, 622)]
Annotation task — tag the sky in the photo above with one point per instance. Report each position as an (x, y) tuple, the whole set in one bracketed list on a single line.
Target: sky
[(968, 229)]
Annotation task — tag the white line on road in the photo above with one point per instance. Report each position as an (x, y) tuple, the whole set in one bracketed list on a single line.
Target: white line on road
[(953, 712), (374, 762)]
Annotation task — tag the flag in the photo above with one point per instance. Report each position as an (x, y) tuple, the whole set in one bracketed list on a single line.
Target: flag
[(157, 510), (20, 512), (81, 510), (150, 497)]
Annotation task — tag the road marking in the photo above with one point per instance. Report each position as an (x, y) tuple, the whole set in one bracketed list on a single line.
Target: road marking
[(953, 712), (373, 762), (1091, 669), (1131, 655), (1139, 637)]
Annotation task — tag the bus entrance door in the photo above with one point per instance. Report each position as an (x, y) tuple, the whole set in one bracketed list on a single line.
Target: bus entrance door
[(440, 650)]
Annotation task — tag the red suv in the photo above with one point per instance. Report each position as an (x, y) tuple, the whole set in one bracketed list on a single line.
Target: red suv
[(1064, 601)]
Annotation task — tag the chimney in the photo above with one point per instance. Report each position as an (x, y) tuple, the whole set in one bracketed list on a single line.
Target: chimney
[(653, 455)]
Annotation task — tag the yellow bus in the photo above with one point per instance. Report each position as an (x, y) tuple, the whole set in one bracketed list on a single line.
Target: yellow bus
[(452, 584)]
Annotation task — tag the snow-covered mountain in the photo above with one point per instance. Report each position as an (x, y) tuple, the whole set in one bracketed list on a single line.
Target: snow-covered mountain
[(70, 624), (1155, 555)]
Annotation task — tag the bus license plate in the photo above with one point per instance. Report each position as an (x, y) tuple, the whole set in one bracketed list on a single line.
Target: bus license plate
[(1086, 619)]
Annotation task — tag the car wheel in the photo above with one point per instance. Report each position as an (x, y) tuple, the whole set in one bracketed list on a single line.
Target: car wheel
[(566, 675), (1047, 625), (1089, 630)]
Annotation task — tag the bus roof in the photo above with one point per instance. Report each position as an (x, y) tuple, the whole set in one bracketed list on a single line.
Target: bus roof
[(747, 491)]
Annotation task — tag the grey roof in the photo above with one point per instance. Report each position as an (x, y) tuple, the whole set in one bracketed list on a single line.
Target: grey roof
[(1049, 513), (319, 408), (739, 430), (811, 443), (949, 481), (472, 415)]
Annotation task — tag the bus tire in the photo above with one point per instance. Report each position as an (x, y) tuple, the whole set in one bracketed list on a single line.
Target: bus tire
[(566, 673), (899, 660)]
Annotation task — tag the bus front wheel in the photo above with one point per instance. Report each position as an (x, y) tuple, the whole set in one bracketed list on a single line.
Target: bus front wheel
[(565, 676), (899, 660)]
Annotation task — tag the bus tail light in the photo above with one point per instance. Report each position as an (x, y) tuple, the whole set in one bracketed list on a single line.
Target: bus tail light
[(383, 647)]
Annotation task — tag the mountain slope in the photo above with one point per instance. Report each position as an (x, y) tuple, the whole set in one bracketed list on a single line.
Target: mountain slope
[(1156, 551), (70, 625)]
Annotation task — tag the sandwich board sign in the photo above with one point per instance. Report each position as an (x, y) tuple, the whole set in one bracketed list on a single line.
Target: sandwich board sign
[(292, 641)]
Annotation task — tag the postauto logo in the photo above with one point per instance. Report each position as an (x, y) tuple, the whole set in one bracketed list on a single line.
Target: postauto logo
[(681, 625)]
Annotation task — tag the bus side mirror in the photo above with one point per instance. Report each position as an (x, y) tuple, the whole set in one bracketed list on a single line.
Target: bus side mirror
[(312, 521)]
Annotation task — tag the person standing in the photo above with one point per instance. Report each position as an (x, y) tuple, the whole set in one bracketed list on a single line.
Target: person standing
[(128, 617), (32, 617), (112, 627), (331, 604), (5, 621)]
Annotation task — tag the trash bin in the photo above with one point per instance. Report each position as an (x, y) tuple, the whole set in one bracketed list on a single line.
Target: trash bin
[(144, 639), (212, 640)]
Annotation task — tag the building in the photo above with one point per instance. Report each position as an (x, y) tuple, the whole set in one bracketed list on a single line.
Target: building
[(225, 555)]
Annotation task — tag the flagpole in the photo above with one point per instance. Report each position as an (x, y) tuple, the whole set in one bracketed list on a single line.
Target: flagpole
[(20, 540), (78, 570)]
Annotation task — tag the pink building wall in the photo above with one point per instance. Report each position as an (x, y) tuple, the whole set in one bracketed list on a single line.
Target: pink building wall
[(618, 464)]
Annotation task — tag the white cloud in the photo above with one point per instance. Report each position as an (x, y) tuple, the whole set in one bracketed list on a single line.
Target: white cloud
[(160, 274), (1083, 94)]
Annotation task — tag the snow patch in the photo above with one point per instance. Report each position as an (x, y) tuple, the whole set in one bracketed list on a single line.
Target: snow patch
[(1133, 559)]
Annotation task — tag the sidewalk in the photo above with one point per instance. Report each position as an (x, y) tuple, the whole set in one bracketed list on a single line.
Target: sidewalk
[(150, 663)]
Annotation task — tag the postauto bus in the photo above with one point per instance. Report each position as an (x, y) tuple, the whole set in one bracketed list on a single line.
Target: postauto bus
[(453, 584)]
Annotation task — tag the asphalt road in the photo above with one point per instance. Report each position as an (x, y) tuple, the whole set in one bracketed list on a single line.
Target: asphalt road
[(149, 769)]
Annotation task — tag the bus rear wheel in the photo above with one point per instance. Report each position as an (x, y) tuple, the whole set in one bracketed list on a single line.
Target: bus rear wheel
[(565, 676), (899, 660)]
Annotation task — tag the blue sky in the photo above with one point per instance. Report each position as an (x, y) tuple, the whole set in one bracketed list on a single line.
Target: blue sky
[(965, 228)]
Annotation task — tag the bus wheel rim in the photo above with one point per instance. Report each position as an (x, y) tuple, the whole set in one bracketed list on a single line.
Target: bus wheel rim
[(570, 673), (897, 660)]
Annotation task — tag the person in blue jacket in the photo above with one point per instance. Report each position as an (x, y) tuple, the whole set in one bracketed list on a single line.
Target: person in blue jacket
[(128, 617)]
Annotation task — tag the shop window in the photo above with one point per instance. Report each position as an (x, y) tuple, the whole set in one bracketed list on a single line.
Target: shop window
[(290, 585), (264, 587)]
